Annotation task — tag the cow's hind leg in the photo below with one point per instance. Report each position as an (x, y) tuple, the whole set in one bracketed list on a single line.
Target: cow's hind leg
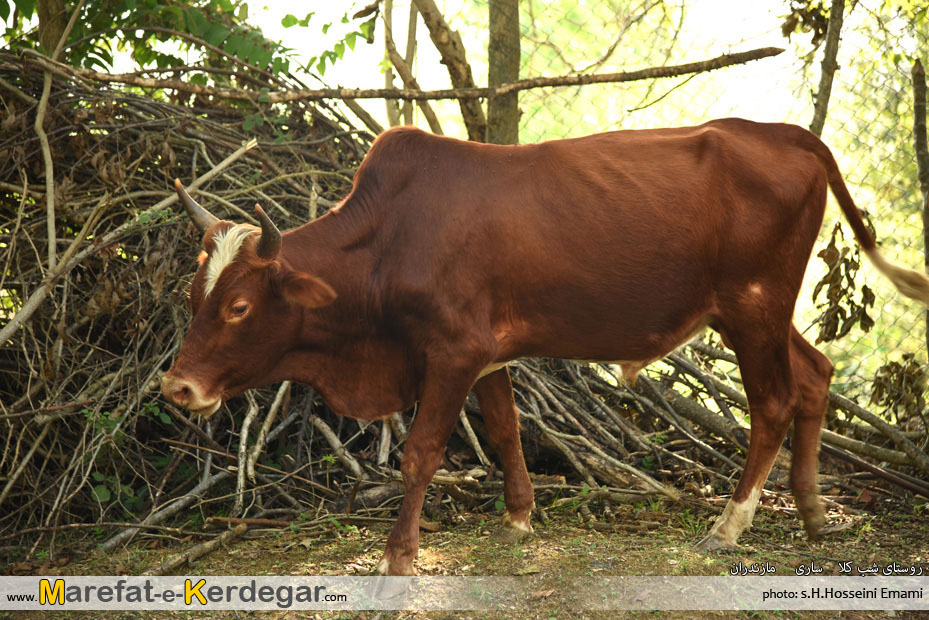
[(812, 372), (764, 361), (495, 396)]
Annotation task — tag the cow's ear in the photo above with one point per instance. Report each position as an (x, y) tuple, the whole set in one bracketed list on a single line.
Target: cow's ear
[(305, 290)]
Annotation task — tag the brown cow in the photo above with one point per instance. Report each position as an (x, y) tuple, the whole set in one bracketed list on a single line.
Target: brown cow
[(449, 259)]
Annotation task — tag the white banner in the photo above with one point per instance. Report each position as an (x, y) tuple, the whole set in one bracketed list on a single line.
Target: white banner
[(464, 593)]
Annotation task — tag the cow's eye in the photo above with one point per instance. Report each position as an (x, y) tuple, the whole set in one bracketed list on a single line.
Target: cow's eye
[(239, 309)]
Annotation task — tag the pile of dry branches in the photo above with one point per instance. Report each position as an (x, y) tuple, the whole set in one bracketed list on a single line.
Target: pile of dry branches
[(92, 310), (92, 307)]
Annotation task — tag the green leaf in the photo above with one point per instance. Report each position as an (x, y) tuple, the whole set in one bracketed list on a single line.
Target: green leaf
[(4, 10), (98, 476), (339, 49), (197, 24), (26, 8), (216, 34), (262, 57), (234, 44), (177, 17), (367, 30), (280, 65), (326, 28), (350, 40), (102, 493), (164, 417), (289, 21), (242, 13)]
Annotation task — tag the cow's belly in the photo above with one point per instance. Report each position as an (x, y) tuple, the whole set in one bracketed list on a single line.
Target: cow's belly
[(630, 367)]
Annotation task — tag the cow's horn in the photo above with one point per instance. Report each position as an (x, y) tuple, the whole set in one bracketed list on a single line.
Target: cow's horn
[(269, 245), (202, 218)]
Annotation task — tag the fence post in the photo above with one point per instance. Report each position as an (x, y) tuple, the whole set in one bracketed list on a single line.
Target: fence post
[(922, 158)]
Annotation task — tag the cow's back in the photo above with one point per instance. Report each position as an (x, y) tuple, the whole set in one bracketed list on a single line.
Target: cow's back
[(608, 240)]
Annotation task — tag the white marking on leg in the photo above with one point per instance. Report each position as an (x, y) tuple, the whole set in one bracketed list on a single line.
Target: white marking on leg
[(735, 519), (522, 526)]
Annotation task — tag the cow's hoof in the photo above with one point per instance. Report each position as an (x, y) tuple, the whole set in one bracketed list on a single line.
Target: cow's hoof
[(712, 543), (814, 518), (514, 529), (382, 587), (385, 568)]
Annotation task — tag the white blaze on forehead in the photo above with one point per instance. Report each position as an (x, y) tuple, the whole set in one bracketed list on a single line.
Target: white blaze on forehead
[(226, 246)]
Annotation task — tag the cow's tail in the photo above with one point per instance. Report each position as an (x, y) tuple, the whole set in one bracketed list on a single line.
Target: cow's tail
[(910, 282)]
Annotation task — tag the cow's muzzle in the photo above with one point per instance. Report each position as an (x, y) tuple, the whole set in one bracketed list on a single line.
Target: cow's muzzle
[(188, 394)]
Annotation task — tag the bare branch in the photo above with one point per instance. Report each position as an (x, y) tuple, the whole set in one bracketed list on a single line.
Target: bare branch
[(412, 20), (46, 150), (280, 96), (449, 44), (409, 81), (829, 66), (393, 110), (35, 300)]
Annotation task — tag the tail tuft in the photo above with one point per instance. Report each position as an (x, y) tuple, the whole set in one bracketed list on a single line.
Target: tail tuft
[(912, 283)]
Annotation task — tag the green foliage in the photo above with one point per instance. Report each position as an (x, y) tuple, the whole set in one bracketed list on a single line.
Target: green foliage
[(153, 409), (108, 488), (100, 420), (364, 30), (147, 218), (142, 27)]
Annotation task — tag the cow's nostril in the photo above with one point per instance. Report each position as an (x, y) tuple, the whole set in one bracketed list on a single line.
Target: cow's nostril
[(181, 395)]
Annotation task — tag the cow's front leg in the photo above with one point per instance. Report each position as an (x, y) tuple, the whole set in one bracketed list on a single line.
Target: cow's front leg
[(443, 396)]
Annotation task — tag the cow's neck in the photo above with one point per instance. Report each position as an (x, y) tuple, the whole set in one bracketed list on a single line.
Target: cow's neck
[(332, 248), (339, 248)]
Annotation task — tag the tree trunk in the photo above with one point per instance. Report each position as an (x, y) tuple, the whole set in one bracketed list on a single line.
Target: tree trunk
[(503, 60), (52, 22)]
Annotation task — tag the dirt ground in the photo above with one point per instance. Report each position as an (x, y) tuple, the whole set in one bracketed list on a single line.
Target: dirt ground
[(650, 538)]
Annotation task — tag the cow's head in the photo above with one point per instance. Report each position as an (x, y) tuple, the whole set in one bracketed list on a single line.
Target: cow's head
[(248, 304)]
